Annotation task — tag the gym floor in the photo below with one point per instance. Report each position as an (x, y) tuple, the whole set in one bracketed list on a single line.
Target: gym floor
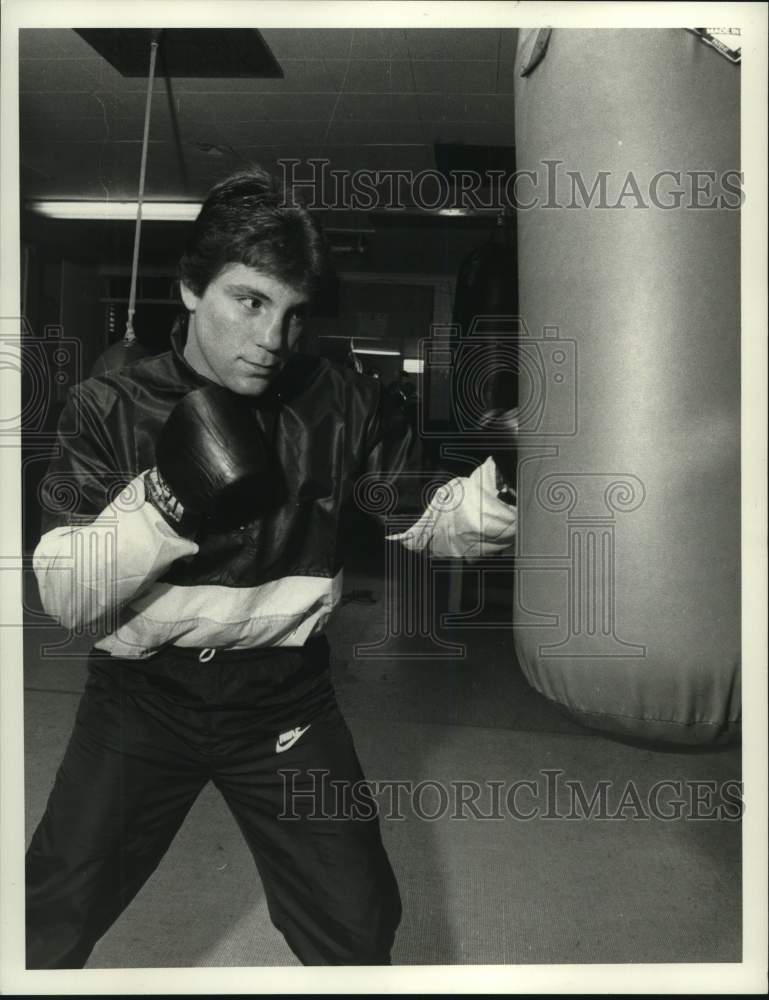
[(545, 890)]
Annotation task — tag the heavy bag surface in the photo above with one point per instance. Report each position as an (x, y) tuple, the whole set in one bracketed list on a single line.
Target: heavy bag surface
[(627, 604), (486, 307), (486, 282)]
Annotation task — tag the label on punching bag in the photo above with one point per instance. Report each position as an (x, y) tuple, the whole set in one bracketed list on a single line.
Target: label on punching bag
[(722, 40)]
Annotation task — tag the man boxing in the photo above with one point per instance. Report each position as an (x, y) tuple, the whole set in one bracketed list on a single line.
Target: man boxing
[(203, 540)]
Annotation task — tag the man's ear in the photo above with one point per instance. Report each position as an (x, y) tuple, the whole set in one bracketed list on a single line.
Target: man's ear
[(189, 298)]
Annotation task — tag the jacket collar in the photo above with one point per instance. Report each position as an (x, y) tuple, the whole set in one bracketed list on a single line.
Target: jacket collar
[(178, 340)]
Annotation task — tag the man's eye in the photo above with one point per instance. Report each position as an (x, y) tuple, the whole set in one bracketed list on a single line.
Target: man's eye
[(252, 304)]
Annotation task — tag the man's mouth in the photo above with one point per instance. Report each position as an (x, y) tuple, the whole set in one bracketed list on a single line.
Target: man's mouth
[(260, 369)]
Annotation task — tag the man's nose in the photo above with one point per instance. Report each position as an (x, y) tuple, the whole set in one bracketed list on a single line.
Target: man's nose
[(272, 335)]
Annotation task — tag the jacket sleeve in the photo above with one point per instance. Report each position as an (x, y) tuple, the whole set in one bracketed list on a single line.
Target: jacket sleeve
[(464, 517), (101, 542)]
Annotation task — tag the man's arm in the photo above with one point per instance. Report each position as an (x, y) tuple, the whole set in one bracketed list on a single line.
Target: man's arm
[(467, 517), (100, 545)]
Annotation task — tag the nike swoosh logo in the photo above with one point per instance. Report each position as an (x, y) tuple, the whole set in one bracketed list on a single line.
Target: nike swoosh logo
[(287, 740)]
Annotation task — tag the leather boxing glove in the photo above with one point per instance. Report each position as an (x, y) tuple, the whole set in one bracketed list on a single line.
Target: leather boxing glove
[(212, 463), (502, 427)]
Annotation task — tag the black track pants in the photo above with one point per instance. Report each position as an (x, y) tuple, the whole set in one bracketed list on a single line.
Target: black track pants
[(148, 737)]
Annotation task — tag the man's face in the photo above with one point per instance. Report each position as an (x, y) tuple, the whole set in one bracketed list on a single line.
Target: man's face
[(242, 328)]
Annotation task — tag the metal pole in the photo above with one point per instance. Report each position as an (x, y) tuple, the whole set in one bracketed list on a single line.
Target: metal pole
[(130, 336)]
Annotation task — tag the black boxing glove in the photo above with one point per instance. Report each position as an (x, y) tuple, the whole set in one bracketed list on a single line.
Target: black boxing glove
[(212, 463), (502, 426)]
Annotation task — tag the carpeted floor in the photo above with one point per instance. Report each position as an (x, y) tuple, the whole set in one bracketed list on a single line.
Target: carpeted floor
[(548, 889)]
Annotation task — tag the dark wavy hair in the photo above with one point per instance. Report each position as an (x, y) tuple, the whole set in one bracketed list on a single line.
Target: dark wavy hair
[(251, 218)]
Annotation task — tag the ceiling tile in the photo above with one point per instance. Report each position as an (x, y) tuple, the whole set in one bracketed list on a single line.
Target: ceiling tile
[(506, 62), (505, 77), (300, 76), (105, 170), (359, 133), (350, 158), (375, 43), (448, 44), (52, 129), (362, 43), (114, 129), (109, 171), (61, 75), (467, 107), (72, 101), (336, 43), (304, 43), (471, 133), (249, 132), (365, 107), (214, 132), (432, 107), (42, 42), (132, 104), (459, 77), (288, 43), (162, 129), (262, 107), (372, 76), (62, 106), (75, 47)]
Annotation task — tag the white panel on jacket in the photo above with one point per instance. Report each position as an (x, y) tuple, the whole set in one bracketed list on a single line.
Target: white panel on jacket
[(85, 572)]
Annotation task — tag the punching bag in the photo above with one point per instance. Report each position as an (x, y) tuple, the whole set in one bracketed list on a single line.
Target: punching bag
[(486, 281), (627, 608), (486, 309)]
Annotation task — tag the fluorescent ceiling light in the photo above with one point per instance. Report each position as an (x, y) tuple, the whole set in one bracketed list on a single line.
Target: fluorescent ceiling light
[(450, 213), (112, 211), (376, 350)]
